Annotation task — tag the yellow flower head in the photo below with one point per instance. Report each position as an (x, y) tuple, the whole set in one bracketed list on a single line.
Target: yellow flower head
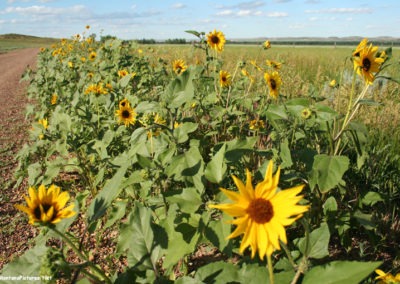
[(47, 206), (261, 213), (54, 98), (256, 124), (70, 64), (306, 113), (44, 123), (179, 66), (332, 83), (366, 63), (224, 79), (386, 278), (274, 82), (122, 73), (124, 103), (361, 46), (216, 40), (126, 115), (274, 64), (267, 44), (92, 55)]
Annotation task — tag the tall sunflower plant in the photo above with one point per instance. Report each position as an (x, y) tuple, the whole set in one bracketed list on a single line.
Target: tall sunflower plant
[(169, 159)]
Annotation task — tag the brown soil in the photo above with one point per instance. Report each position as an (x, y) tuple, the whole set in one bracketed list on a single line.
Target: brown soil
[(15, 233)]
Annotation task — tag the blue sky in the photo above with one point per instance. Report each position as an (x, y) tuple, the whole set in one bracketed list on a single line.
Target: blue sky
[(166, 19)]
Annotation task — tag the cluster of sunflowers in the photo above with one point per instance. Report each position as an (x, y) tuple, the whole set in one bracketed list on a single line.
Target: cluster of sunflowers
[(261, 212)]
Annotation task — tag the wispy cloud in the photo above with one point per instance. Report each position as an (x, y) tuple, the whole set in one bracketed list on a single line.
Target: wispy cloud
[(341, 11), (43, 10), (277, 14), (179, 6), (243, 5)]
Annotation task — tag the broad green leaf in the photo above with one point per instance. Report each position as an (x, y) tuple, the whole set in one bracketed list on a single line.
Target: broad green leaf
[(371, 198), (107, 195), (254, 273), (137, 238), (218, 273), (27, 264), (195, 33), (327, 171), (276, 112), (216, 168), (365, 220), (285, 154), (340, 272), (188, 199), (181, 132), (217, 231), (318, 243), (181, 241), (125, 80), (330, 206), (117, 212), (236, 149)]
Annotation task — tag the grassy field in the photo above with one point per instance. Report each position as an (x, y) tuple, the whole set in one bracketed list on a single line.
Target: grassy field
[(15, 41)]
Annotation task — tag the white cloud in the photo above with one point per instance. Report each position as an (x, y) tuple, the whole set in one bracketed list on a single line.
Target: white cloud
[(277, 14), (43, 10), (225, 13), (179, 6), (242, 13), (341, 11)]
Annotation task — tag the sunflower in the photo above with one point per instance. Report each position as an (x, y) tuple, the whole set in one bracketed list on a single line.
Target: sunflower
[(179, 66), (122, 73), (333, 84), (267, 44), (47, 206), (54, 98), (367, 63), (216, 40), (92, 55), (224, 79), (306, 113), (126, 115), (256, 124), (261, 213), (274, 64), (274, 82), (124, 103), (386, 278), (361, 46)]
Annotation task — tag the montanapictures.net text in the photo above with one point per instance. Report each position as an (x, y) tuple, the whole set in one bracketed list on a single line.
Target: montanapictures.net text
[(24, 278)]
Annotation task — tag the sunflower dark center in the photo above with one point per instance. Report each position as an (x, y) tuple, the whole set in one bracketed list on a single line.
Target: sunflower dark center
[(223, 78), (37, 212), (126, 114), (123, 104), (215, 39), (273, 84), (260, 210), (366, 64)]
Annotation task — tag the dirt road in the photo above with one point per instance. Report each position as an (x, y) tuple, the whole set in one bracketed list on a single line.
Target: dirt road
[(14, 232)]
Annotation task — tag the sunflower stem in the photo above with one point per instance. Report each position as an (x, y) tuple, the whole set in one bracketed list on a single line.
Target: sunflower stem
[(289, 256), (270, 269), (81, 255)]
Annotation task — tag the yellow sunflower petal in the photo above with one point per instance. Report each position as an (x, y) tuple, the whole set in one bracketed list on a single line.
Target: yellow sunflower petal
[(234, 210), (262, 240)]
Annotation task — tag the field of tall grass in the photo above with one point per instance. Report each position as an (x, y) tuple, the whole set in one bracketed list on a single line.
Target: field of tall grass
[(212, 163)]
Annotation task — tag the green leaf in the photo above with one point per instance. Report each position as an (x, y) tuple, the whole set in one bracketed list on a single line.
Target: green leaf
[(117, 212), (188, 200), (340, 272), (28, 264), (182, 238), (236, 149), (195, 33), (182, 131), (285, 154), (371, 198), (318, 243), (125, 80), (327, 171), (216, 168), (107, 195), (137, 238), (216, 232), (217, 272), (365, 220), (330, 206), (275, 112)]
